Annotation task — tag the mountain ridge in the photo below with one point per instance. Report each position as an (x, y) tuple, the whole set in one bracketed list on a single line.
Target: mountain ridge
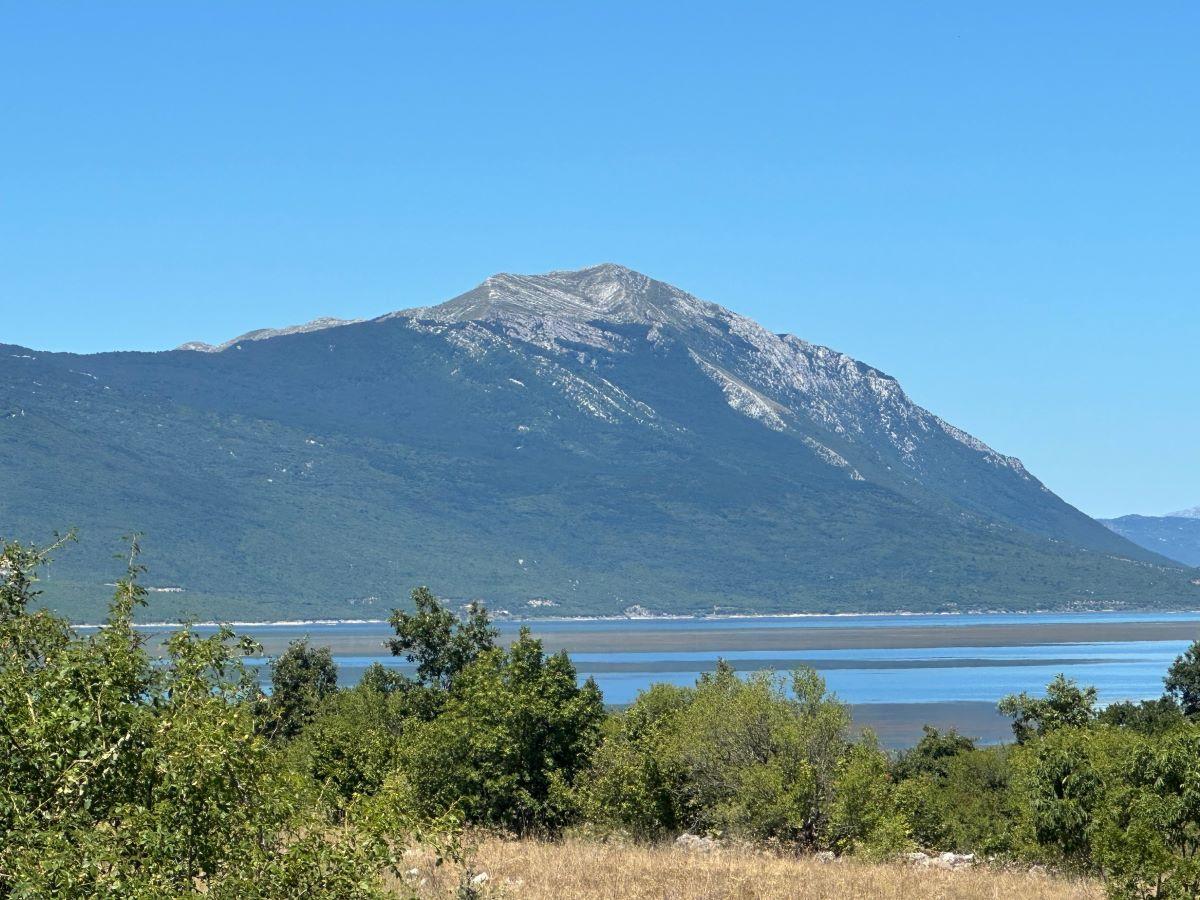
[(1175, 536), (595, 438), (513, 300)]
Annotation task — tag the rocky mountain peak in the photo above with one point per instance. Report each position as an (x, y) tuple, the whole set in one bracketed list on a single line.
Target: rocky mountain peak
[(606, 292)]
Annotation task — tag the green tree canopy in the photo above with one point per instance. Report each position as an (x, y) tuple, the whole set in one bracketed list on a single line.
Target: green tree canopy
[(436, 641), (1183, 680), (121, 776), (1065, 704), (933, 752), (742, 756), (302, 677), (514, 731)]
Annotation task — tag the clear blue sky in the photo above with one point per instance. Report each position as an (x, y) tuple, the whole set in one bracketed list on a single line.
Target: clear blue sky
[(997, 203)]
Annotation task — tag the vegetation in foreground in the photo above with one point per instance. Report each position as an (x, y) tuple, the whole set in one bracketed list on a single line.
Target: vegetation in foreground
[(123, 775)]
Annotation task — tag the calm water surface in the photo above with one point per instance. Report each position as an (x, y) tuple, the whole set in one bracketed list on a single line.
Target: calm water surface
[(864, 659)]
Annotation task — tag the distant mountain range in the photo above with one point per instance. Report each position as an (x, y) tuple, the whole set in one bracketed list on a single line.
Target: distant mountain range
[(579, 442), (1175, 535)]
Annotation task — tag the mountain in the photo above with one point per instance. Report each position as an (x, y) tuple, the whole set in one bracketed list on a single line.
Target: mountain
[(1175, 535), (574, 442), (262, 334)]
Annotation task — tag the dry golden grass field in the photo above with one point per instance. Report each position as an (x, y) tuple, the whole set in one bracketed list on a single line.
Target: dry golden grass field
[(579, 869)]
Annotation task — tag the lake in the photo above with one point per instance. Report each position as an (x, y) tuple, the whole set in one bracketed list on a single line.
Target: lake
[(897, 671)]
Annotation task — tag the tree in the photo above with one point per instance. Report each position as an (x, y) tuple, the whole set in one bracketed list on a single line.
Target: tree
[(1147, 716), (380, 679), (513, 733), (1183, 680), (1061, 784), (301, 678), (350, 745), (1117, 802), (437, 641), (1065, 705), (962, 801), (626, 786), (1147, 833), (932, 753)]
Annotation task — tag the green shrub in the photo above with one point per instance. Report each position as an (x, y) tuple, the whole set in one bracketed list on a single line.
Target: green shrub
[(626, 788), (301, 678), (513, 732), (1119, 802), (1147, 716), (119, 777), (965, 804), (350, 745), (728, 756), (1065, 705), (866, 816), (1183, 680), (931, 755)]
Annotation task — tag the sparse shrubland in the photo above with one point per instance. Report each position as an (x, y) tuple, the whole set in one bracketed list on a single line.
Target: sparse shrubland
[(493, 771)]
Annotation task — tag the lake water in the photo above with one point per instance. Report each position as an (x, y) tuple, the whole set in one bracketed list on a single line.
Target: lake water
[(896, 670)]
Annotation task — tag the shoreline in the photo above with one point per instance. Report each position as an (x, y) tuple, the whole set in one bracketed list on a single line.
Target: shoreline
[(671, 617)]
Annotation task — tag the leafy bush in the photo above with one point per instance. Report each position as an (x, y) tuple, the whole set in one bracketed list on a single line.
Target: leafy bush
[(932, 754), (626, 786), (123, 778), (866, 816), (727, 756), (512, 733), (301, 678), (1183, 680), (964, 802), (1120, 802), (1147, 716), (350, 746)]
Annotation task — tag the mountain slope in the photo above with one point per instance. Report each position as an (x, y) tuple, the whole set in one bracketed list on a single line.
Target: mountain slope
[(1176, 536), (595, 438)]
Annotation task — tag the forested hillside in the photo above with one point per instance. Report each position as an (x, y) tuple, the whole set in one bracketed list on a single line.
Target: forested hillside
[(596, 438)]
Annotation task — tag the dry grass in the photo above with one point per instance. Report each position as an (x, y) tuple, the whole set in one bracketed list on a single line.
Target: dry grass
[(576, 869)]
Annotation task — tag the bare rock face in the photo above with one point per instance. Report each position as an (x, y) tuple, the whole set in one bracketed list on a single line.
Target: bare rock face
[(780, 381)]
